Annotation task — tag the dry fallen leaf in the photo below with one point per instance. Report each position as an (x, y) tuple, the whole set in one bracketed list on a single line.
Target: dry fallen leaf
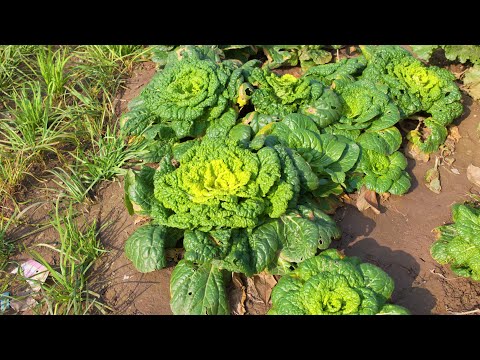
[(139, 219), (432, 178), (473, 174), (454, 133), (259, 288), (412, 151), (23, 301), (367, 199), (237, 295), (449, 160)]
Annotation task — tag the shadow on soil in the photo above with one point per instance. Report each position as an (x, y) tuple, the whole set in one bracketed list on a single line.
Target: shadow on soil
[(400, 265)]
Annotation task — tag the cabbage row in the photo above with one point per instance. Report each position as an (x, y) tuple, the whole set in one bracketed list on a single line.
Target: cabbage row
[(241, 162)]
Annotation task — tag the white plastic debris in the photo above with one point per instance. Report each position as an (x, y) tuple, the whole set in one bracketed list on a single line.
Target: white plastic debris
[(34, 271)]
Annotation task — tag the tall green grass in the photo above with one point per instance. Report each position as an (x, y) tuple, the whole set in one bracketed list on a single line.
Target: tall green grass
[(58, 122), (68, 292)]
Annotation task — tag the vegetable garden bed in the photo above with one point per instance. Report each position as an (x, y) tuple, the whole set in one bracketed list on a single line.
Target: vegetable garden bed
[(392, 233)]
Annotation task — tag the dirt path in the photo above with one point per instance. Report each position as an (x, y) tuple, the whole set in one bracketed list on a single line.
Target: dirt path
[(398, 239)]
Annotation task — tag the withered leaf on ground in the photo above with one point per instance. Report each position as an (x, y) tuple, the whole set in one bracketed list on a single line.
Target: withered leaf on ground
[(237, 295), (471, 82), (412, 151), (432, 178), (454, 133), (473, 174), (259, 288), (367, 199)]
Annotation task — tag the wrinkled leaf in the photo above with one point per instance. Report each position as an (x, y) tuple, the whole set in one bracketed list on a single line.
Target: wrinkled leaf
[(237, 295), (259, 288)]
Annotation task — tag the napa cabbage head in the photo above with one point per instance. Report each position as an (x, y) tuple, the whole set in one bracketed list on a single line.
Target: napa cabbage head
[(219, 184), (333, 284)]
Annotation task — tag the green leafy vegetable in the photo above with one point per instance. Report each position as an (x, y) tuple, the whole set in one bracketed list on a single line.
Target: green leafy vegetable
[(412, 85), (221, 185), (430, 137), (332, 284), (385, 173), (367, 107), (292, 55), (458, 244), (346, 69), (146, 246), (139, 190), (198, 290), (274, 246)]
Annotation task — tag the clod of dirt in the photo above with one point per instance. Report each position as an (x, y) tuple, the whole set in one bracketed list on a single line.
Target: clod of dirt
[(473, 174), (259, 288), (413, 152), (367, 199), (237, 295)]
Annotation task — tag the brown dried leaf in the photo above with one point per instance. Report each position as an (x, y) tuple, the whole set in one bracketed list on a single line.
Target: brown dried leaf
[(454, 133), (350, 199), (432, 178), (23, 302), (367, 199), (139, 219), (449, 160), (385, 196), (237, 295), (413, 152), (473, 174), (259, 288)]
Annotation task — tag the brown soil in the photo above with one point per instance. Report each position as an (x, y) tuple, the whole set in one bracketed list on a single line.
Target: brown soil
[(398, 239)]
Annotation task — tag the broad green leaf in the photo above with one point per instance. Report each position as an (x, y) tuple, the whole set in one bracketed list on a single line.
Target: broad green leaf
[(424, 51), (298, 121), (241, 134), (301, 238), (309, 180), (390, 116), (198, 290), (327, 228), (467, 223), (145, 248), (265, 241), (225, 248), (401, 185), (391, 309), (463, 53), (384, 141), (332, 151), (139, 190), (377, 280), (439, 252)]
